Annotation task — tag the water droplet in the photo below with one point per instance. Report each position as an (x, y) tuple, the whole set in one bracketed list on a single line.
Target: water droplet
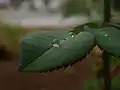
[(106, 35), (56, 45), (72, 35)]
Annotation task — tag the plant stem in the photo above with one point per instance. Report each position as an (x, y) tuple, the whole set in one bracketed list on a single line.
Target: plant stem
[(106, 71), (107, 11)]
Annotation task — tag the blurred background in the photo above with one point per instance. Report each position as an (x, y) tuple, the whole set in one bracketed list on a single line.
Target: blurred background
[(44, 12), (20, 17)]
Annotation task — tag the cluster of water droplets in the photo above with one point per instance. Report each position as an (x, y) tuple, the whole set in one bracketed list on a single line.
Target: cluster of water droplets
[(104, 34), (56, 42)]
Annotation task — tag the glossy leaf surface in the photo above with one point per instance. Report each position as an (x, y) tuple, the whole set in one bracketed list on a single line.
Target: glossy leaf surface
[(35, 44), (66, 53), (93, 84), (108, 39)]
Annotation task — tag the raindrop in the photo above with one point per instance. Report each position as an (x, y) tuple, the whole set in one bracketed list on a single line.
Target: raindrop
[(72, 34), (106, 35), (56, 43)]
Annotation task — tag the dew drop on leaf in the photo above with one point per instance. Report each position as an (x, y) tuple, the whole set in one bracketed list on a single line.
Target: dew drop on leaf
[(72, 34), (106, 35), (56, 43)]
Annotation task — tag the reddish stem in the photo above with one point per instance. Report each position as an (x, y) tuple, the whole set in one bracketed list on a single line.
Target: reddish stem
[(114, 73)]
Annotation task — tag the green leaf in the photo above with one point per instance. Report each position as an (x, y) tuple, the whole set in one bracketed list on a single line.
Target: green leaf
[(93, 84), (64, 54), (35, 44), (108, 39)]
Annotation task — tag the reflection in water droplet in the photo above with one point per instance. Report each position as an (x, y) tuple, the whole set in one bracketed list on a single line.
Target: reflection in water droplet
[(56, 42), (56, 45), (106, 35), (72, 35)]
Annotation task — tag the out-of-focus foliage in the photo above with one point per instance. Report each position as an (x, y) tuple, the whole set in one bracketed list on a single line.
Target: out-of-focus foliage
[(54, 57), (107, 39), (90, 85), (78, 7), (93, 84), (10, 36), (114, 61)]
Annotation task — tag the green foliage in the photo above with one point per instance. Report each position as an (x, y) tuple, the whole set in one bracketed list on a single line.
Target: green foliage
[(40, 50), (107, 39), (10, 36), (35, 44), (114, 60), (43, 52), (116, 83), (45, 57), (92, 84), (78, 7)]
